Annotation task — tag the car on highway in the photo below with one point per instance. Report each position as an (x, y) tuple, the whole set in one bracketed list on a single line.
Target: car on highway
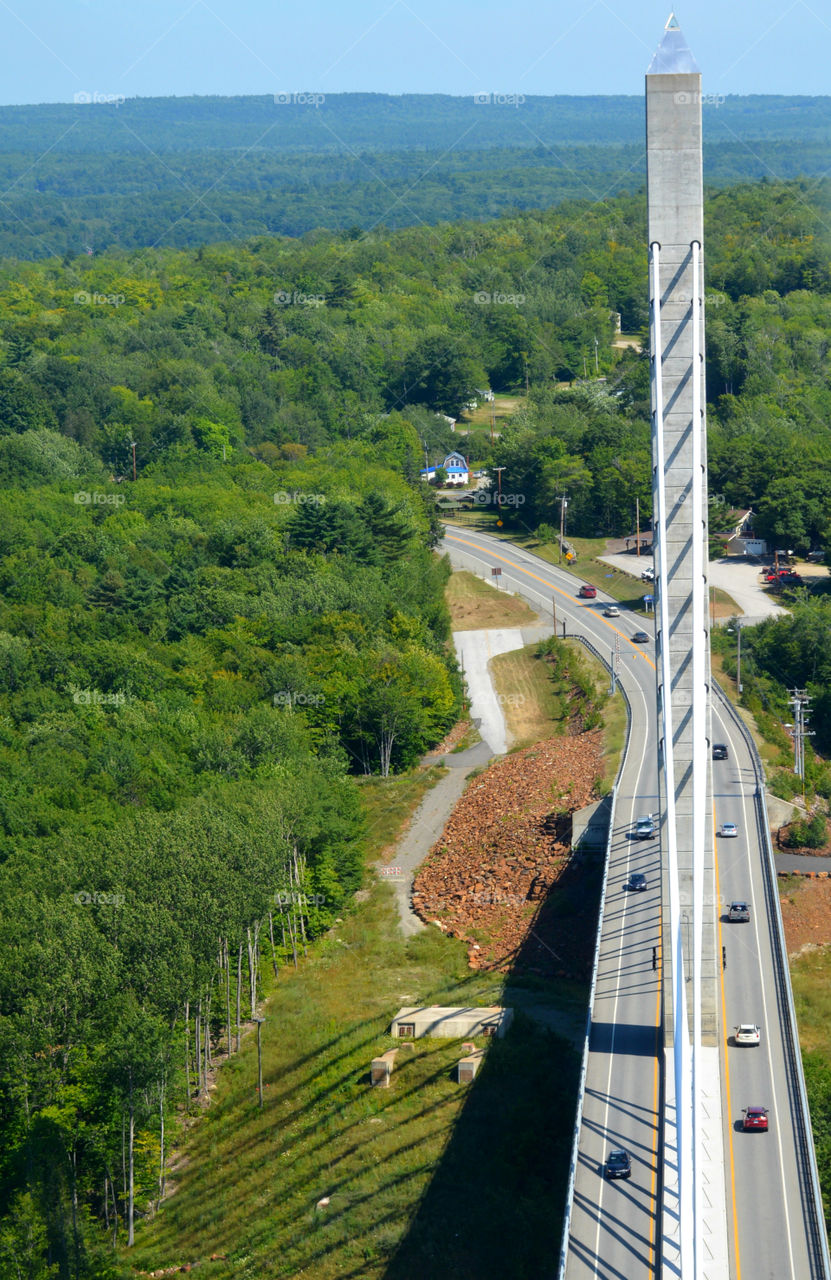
[(645, 827), (719, 751), (637, 882), (748, 1033), (587, 591), (611, 611), (738, 912), (618, 1164), (727, 830), (755, 1118), (640, 637)]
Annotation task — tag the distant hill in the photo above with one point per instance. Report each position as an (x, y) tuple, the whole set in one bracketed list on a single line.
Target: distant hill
[(385, 122), (188, 171)]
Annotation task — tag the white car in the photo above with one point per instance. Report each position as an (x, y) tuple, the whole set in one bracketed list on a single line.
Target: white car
[(748, 1033), (645, 827), (648, 575), (611, 611), (728, 829)]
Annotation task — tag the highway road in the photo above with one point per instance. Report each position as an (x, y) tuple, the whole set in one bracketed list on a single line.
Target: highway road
[(768, 1234), (615, 1225)]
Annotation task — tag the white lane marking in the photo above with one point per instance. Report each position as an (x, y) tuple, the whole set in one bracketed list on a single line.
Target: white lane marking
[(767, 1024)]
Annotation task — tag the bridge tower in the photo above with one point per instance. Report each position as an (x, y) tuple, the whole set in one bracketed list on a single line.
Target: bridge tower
[(690, 964)]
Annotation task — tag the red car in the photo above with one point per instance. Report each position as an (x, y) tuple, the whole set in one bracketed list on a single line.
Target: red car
[(587, 592), (755, 1118)]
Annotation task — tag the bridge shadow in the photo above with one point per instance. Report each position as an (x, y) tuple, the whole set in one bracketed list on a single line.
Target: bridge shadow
[(494, 1206)]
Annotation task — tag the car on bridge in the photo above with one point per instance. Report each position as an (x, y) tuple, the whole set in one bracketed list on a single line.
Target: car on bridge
[(755, 1118), (618, 1164), (587, 591), (636, 882), (748, 1033), (728, 830), (611, 611), (719, 751), (645, 827), (738, 913)]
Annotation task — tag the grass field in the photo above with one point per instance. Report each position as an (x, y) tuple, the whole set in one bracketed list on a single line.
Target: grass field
[(474, 604), (426, 1178), (811, 980)]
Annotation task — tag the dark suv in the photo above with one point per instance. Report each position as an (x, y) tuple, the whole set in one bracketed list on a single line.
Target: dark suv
[(719, 751)]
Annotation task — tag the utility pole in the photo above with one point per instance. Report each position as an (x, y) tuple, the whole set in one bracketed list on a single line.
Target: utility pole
[(563, 506), (799, 700), (554, 612)]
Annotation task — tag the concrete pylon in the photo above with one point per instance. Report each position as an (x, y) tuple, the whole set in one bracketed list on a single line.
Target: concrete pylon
[(690, 970)]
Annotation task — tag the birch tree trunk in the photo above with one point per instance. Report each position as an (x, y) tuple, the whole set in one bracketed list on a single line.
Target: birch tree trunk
[(271, 936), (239, 992), (187, 1054), (131, 1191), (161, 1143), (227, 995)]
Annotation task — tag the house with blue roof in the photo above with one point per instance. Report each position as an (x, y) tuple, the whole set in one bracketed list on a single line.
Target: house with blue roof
[(455, 464)]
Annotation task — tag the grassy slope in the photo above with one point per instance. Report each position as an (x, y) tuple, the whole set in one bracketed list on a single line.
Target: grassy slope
[(252, 1179)]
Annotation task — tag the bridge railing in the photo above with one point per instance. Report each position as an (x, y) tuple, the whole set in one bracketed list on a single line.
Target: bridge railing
[(578, 1118), (809, 1186)]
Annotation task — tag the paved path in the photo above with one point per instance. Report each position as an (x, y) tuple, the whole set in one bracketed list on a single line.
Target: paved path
[(802, 862), (474, 650)]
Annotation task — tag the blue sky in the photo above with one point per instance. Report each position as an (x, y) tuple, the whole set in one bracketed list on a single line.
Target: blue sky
[(54, 49)]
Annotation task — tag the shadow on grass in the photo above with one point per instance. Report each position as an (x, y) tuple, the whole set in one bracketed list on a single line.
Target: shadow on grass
[(494, 1206)]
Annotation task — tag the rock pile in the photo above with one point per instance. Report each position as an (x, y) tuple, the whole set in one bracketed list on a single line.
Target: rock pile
[(501, 876)]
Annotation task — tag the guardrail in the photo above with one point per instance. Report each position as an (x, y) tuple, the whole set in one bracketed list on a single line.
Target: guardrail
[(809, 1186), (581, 1092)]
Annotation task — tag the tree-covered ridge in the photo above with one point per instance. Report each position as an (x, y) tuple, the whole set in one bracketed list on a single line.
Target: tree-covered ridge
[(282, 343), (187, 171)]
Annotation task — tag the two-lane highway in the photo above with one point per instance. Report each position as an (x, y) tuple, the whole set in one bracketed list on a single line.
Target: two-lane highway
[(614, 1225)]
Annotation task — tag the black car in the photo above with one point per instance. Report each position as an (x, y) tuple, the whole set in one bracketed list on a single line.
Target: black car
[(618, 1165), (719, 751), (637, 881), (640, 637)]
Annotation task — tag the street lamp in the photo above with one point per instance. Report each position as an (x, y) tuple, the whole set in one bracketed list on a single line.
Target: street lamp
[(259, 1022)]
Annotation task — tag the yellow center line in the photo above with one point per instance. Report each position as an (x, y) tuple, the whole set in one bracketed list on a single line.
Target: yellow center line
[(551, 587), (658, 1053), (727, 1073)]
